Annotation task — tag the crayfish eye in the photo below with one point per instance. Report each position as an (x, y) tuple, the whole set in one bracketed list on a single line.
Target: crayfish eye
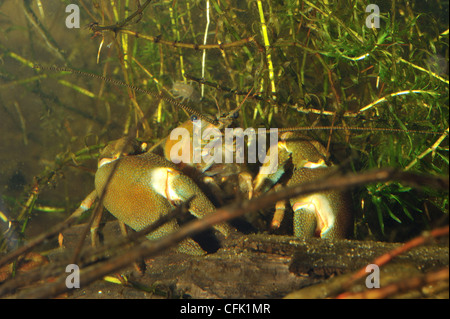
[(194, 117), (235, 115)]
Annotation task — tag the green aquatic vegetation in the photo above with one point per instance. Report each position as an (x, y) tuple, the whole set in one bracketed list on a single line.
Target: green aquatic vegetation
[(305, 63)]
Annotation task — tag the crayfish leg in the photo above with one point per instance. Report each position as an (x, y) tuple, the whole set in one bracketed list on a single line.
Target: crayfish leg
[(305, 220)]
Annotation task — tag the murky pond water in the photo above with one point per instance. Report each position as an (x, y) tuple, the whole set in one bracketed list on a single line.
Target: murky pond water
[(304, 64)]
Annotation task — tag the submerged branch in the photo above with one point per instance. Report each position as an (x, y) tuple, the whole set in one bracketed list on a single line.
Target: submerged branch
[(149, 248)]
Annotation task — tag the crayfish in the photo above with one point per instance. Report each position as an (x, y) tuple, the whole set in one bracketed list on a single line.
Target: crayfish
[(146, 186)]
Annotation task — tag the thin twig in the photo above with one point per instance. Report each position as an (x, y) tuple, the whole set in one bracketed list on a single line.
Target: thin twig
[(52, 232), (157, 95), (205, 37), (428, 150), (384, 259), (51, 43), (400, 286), (157, 39), (117, 26)]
